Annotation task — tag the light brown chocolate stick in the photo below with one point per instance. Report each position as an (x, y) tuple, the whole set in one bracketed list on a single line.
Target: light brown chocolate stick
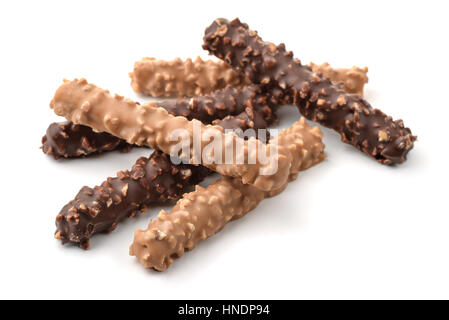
[(86, 104), (204, 212), (187, 78), (353, 79), (178, 78)]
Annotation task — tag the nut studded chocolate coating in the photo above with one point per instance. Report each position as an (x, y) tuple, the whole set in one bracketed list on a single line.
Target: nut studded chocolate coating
[(149, 125), (206, 211), (230, 108), (99, 209), (171, 182), (353, 79), (69, 140), (226, 102), (369, 130), (173, 233), (178, 78)]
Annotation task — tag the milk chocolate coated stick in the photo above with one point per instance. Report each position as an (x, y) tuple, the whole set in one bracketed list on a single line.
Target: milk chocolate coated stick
[(197, 216), (247, 108), (178, 78), (204, 212), (353, 79), (369, 130), (149, 125)]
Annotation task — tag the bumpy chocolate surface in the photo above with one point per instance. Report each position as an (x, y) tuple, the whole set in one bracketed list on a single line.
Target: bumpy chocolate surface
[(69, 140), (153, 126), (227, 102), (369, 130), (151, 180), (183, 78), (186, 78), (259, 113), (353, 79), (204, 212), (92, 211), (230, 108)]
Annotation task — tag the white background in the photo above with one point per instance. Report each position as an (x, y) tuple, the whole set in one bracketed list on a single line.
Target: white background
[(348, 228)]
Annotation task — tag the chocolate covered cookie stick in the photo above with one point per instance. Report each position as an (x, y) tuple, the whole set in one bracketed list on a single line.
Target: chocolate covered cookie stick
[(161, 180), (178, 78), (353, 79), (246, 108), (69, 140), (149, 125), (369, 130), (204, 212), (99, 209), (221, 103), (197, 216)]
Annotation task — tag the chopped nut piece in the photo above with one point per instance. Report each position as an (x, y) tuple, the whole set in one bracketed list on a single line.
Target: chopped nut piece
[(341, 100), (383, 136), (125, 190)]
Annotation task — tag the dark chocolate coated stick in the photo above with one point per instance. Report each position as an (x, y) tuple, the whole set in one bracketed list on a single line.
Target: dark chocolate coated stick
[(69, 140), (318, 99), (151, 180), (226, 102)]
